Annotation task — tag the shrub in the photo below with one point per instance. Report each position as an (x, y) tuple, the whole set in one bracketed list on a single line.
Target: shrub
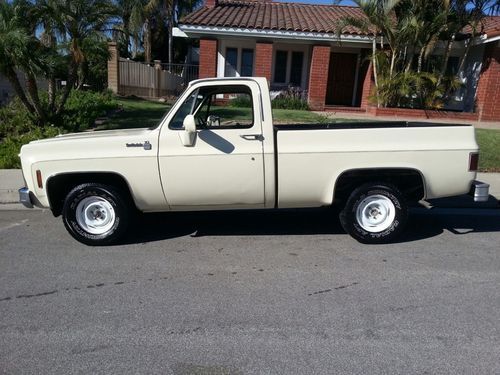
[(83, 108), (11, 145), (241, 101), (292, 98)]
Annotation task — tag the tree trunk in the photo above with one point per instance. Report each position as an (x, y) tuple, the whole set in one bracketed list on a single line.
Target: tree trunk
[(16, 85), (446, 57), (420, 60), (32, 89), (375, 74), (147, 41), (393, 62), (73, 71)]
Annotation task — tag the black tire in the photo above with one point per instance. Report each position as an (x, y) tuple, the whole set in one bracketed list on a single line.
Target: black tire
[(111, 201), (367, 205)]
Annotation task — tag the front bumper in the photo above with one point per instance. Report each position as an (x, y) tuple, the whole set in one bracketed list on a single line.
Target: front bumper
[(480, 191), (25, 197)]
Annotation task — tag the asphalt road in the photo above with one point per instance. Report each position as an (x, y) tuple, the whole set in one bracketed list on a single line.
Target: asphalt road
[(251, 293)]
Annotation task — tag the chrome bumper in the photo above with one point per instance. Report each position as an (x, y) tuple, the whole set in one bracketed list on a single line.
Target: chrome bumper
[(480, 191), (25, 198)]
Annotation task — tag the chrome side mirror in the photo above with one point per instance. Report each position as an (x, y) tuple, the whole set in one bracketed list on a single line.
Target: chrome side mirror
[(189, 135)]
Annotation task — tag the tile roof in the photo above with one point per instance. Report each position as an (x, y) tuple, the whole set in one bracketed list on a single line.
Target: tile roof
[(278, 16), (268, 15), (491, 26)]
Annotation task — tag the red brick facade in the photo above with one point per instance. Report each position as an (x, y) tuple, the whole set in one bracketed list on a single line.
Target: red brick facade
[(208, 58), (488, 89), (367, 87), (318, 77), (263, 60)]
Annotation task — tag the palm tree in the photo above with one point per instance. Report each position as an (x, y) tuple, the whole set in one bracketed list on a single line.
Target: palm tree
[(76, 21), (21, 50)]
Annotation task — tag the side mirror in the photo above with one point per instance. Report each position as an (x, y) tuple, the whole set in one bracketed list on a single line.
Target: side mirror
[(189, 134)]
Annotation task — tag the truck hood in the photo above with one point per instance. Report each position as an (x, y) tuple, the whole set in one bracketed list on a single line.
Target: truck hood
[(96, 135), (128, 143)]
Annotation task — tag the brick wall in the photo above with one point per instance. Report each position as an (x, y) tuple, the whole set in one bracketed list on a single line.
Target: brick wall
[(422, 113), (113, 68), (208, 58), (318, 77), (488, 89), (210, 3), (264, 60), (368, 85)]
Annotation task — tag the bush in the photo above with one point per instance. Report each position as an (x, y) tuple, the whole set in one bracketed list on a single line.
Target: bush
[(11, 145), (83, 108), (241, 101), (17, 126), (292, 98)]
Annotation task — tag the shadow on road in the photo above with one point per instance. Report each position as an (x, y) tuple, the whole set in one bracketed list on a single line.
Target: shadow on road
[(423, 223)]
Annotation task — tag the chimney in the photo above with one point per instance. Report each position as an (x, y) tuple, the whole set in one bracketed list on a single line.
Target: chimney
[(210, 3)]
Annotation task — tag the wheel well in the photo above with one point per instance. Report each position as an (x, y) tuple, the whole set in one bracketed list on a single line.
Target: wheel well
[(60, 185), (409, 181)]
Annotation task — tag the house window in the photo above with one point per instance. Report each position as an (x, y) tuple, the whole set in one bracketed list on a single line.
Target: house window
[(247, 63), (238, 62), (296, 69), (280, 66), (231, 62)]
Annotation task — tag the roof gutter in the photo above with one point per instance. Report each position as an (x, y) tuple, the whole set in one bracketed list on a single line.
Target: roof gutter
[(197, 31)]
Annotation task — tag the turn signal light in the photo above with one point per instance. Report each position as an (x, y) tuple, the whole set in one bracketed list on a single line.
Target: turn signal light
[(39, 178), (473, 161)]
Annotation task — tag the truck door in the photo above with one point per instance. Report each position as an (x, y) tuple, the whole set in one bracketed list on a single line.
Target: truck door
[(224, 167)]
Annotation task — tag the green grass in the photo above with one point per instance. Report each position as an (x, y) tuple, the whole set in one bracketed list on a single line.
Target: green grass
[(137, 113), (489, 145)]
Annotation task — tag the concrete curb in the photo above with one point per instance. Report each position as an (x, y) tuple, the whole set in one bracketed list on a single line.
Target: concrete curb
[(12, 179)]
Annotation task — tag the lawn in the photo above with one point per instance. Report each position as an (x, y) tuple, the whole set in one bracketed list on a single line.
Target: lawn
[(137, 113), (489, 144)]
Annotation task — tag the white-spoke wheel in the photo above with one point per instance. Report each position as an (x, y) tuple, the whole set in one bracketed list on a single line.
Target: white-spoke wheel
[(95, 215), (375, 213)]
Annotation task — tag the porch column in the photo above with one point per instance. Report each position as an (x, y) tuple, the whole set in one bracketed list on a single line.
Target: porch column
[(488, 88), (264, 60), (318, 77), (113, 68), (368, 85), (208, 58)]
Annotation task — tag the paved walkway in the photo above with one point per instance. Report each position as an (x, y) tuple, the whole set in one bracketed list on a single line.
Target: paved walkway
[(11, 180), (364, 116)]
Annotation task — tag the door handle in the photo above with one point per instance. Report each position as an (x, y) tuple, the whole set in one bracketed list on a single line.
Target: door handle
[(252, 137)]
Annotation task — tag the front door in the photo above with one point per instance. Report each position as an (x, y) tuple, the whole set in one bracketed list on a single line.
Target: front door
[(341, 78), (224, 166)]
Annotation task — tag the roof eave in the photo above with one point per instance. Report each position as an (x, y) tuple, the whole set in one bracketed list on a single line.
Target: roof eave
[(196, 31)]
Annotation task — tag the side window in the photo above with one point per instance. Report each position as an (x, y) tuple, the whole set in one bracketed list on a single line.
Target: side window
[(217, 107)]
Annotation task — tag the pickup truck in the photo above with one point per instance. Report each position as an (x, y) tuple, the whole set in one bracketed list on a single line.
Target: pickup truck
[(217, 149)]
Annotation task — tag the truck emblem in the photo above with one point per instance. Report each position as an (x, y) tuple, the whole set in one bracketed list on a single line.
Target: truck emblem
[(146, 145)]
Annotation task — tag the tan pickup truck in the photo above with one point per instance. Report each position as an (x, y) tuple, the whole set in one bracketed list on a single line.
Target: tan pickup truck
[(217, 149)]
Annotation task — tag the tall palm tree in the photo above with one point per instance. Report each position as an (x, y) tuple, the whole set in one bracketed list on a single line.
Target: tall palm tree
[(76, 21)]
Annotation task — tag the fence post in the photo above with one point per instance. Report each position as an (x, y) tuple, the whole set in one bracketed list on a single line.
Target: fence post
[(158, 72), (113, 68)]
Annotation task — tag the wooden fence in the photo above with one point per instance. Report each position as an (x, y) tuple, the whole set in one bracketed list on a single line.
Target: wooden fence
[(154, 81)]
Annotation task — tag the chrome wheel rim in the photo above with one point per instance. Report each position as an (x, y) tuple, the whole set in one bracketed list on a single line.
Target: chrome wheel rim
[(95, 215), (375, 213)]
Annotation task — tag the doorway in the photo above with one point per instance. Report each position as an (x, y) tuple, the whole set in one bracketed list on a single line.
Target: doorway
[(341, 78)]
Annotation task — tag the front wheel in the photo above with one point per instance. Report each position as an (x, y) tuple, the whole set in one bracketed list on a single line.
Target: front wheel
[(374, 213), (95, 214)]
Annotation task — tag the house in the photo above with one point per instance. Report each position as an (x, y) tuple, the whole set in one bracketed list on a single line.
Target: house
[(294, 44)]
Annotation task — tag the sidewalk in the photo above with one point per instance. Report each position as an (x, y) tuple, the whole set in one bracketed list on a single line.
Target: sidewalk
[(366, 117), (11, 180)]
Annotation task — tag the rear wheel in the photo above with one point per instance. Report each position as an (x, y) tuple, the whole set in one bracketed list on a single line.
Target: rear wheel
[(374, 213), (96, 214)]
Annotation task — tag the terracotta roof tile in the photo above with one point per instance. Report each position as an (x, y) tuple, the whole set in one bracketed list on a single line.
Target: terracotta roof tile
[(268, 15), (274, 16)]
